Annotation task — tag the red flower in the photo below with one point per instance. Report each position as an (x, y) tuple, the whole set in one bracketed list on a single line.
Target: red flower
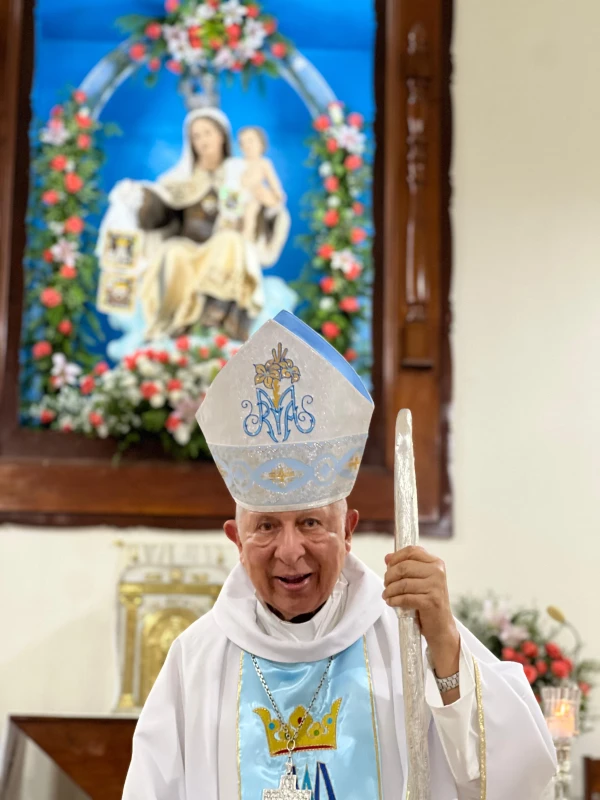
[(41, 350), (65, 327), (530, 649), (83, 120), (68, 272), (148, 389), (174, 67), (569, 664), (530, 673), (258, 59), (220, 340), (252, 11), (331, 217), (349, 304), (47, 416), (130, 362), (50, 298), (355, 120), (173, 422), (332, 145), (222, 362), (216, 43), (350, 354), (584, 688), (203, 352), (96, 419), (162, 356), (48, 257), (153, 30), (154, 64), (51, 197), (74, 225), (353, 272), (183, 361), (195, 36), (87, 384), (183, 343), (325, 251), (331, 183), (278, 49), (84, 141), (58, 163), (553, 650), (79, 96), (73, 183), (330, 330), (173, 385), (560, 668), (66, 427), (358, 235), (321, 123), (508, 654), (101, 368), (233, 32), (270, 26), (171, 6), (327, 284), (353, 162), (358, 208), (137, 51), (237, 66), (541, 666), (57, 111)]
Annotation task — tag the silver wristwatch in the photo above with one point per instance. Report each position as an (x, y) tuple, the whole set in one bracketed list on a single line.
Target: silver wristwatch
[(447, 684)]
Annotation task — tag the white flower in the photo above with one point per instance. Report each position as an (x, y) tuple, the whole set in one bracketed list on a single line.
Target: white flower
[(147, 368), (344, 260), (55, 133), (56, 227), (496, 612), (327, 304), (65, 252), (325, 169), (336, 113), (182, 434), (84, 111), (186, 410), (350, 138), (102, 431), (157, 400), (246, 50), (233, 12), (333, 201), (254, 33), (134, 396), (203, 13), (63, 371), (224, 59), (175, 396)]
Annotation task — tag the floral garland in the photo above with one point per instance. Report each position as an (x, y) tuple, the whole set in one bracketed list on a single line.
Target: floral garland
[(150, 392), (339, 274), (60, 268), (522, 636), (195, 36)]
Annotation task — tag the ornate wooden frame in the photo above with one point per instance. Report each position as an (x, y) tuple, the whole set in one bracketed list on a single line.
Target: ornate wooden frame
[(50, 478)]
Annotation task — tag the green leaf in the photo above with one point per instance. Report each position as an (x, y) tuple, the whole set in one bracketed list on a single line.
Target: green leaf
[(133, 23), (154, 420)]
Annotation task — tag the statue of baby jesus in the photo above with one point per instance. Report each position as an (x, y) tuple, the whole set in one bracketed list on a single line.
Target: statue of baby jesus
[(259, 178)]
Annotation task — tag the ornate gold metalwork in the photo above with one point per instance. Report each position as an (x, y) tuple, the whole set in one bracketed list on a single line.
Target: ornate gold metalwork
[(281, 475), (158, 634)]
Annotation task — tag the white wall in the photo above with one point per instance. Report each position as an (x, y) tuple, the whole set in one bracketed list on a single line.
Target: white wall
[(526, 463)]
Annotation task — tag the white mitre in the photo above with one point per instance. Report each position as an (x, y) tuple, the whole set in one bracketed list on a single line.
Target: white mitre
[(286, 420)]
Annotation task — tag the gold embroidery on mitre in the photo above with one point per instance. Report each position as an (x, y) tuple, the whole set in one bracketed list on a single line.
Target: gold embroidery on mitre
[(281, 475), (314, 735), (354, 463)]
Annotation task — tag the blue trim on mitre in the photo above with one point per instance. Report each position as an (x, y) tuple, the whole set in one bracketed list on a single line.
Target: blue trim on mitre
[(323, 348)]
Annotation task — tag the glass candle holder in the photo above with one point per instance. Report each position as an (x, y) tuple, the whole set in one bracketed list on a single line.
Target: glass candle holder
[(561, 709)]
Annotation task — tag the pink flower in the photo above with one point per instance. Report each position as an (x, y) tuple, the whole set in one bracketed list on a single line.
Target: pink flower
[(84, 141), (321, 123), (327, 284), (221, 340), (530, 673), (171, 6), (101, 368), (358, 235), (50, 297), (174, 385), (68, 272), (325, 251), (154, 64), (258, 59), (65, 327), (331, 184), (553, 650), (174, 66), (530, 649), (353, 162), (584, 688), (57, 111), (332, 145), (183, 343), (330, 330), (73, 183), (358, 208), (560, 669), (353, 271), (350, 354), (153, 30), (74, 225), (87, 385), (137, 51), (96, 419), (349, 304), (41, 350), (331, 217), (47, 416), (148, 389), (58, 163), (83, 120), (79, 96), (50, 197), (541, 667), (355, 120)]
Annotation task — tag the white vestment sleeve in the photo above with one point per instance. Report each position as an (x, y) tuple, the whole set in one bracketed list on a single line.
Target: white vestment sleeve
[(157, 765)]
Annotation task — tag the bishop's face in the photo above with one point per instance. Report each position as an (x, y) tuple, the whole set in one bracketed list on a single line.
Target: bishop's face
[(294, 558)]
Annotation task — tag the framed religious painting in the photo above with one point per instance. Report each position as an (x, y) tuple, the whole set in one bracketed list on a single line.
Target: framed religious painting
[(175, 174)]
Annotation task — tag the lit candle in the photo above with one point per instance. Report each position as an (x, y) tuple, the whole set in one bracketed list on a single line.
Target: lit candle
[(562, 722)]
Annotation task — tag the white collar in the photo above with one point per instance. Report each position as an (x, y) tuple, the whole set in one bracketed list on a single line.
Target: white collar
[(237, 615)]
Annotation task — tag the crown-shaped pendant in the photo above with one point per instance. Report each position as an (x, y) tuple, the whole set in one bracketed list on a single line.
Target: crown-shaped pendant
[(314, 735)]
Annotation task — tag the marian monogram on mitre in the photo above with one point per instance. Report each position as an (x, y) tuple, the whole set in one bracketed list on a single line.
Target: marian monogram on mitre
[(278, 411)]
